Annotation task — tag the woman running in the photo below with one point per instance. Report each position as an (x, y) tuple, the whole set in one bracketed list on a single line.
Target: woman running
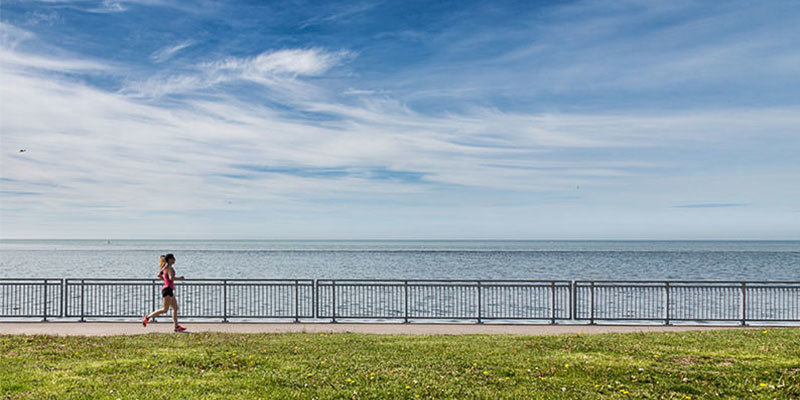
[(167, 274)]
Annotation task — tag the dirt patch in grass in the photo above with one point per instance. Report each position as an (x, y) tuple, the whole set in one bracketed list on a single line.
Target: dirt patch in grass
[(687, 360)]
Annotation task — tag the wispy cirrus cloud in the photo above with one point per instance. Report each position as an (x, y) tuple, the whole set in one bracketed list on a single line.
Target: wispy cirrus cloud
[(287, 62), (343, 13), (490, 125), (109, 6), (712, 205), (22, 61), (277, 69), (165, 53), (11, 36), (293, 158)]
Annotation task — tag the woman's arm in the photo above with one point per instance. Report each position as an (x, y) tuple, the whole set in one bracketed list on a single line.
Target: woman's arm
[(172, 275)]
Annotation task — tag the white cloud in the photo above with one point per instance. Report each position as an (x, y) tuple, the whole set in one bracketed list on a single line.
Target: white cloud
[(11, 36), (109, 6), (278, 70), (340, 15), (91, 140), (291, 62), (114, 155), (26, 62), (165, 53), (359, 92)]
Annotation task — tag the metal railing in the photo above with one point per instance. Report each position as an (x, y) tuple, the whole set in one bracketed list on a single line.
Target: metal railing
[(554, 301), (668, 301), (199, 298), (31, 298), (443, 299)]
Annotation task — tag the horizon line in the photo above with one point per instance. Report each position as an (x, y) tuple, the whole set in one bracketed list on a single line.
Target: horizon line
[(409, 240)]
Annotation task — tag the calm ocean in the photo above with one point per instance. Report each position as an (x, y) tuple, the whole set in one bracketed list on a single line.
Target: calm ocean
[(702, 260)]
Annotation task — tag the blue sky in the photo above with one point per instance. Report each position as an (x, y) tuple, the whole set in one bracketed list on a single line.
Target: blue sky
[(400, 120)]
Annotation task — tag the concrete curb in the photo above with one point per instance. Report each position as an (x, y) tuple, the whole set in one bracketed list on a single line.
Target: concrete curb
[(129, 328)]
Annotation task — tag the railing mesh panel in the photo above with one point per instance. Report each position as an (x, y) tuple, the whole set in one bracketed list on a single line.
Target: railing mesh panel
[(663, 301), (26, 298)]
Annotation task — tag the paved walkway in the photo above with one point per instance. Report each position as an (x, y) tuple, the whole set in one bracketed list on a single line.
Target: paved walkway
[(129, 328)]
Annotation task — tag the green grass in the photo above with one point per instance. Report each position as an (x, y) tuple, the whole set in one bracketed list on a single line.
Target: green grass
[(698, 365)]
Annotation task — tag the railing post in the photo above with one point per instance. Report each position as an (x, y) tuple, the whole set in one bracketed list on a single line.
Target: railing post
[(153, 296), (479, 303), (573, 295), (315, 293), (405, 295), (63, 299), (224, 301), (333, 307), (666, 304), (552, 303), (44, 306), (591, 304), (296, 301), (744, 304), (82, 296)]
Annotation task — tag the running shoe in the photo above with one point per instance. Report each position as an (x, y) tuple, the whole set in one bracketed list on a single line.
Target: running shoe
[(144, 321), (180, 329)]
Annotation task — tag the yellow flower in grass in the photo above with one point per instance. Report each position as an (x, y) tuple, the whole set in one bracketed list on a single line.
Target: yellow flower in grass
[(408, 387), (686, 397), (566, 365), (486, 372), (623, 391), (596, 386), (762, 384), (309, 374), (322, 362)]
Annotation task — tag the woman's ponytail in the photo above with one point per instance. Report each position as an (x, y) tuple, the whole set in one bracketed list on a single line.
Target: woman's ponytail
[(162, 262)]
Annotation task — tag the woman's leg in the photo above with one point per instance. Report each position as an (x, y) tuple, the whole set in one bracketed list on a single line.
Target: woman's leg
[(174, 304), (164, 308)]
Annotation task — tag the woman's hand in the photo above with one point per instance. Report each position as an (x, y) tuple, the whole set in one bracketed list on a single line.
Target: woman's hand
[(180, 278)]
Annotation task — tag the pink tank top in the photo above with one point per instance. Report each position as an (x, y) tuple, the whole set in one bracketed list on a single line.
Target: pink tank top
[(167, 282)]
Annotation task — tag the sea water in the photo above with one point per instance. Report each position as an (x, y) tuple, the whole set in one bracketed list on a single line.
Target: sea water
[(531, 260)]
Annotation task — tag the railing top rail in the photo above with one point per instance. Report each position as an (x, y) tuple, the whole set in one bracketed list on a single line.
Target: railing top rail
[(448, 280), (328, 281), (688, 281), (31, 279), (187, 280)]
